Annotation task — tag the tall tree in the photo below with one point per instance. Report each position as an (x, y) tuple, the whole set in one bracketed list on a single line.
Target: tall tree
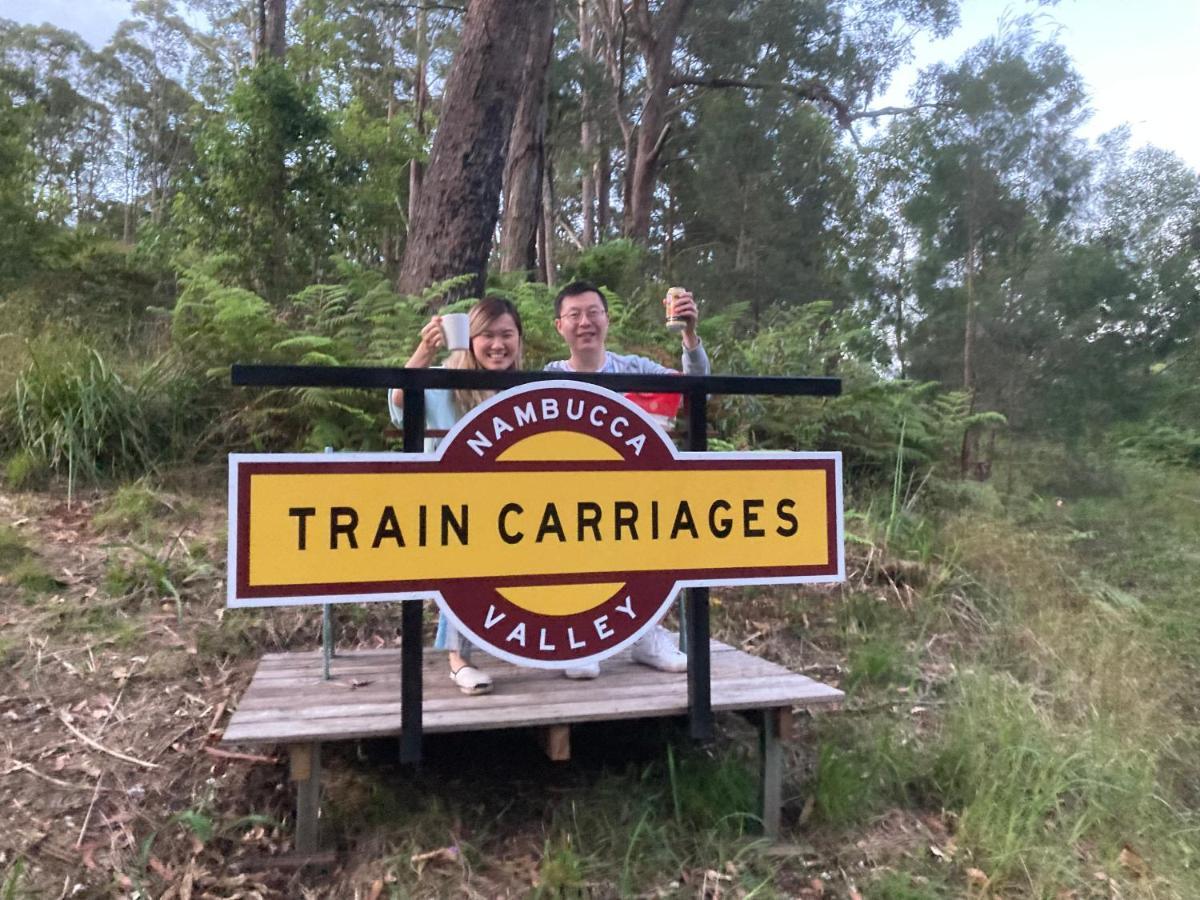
[(451, 231), (526, 148), (271, 39), (996, 170)]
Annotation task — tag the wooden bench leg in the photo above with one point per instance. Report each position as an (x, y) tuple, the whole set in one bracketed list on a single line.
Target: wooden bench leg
[(774, 730), (556, 742), (305, 763)]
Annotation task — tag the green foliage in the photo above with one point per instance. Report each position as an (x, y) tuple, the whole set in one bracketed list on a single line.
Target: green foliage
[(561, 871), (132, 507), (880, 662), (80, 416), (1163, 442), (866, 421), (264, 188), (617, 265), (24, 470), (13, 549), (864, 770), (1018, 779), (14, 874)]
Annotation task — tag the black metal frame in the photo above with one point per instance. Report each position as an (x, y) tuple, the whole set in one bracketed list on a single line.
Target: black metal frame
[(414, 382)]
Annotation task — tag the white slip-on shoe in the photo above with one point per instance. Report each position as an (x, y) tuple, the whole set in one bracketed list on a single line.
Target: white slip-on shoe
[(584, 672), (471, 681), (660, 650)]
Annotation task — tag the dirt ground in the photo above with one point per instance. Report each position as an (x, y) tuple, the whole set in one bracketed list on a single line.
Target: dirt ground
[(119, 669)]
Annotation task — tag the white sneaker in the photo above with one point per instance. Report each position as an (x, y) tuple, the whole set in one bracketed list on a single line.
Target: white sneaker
[(660, 650), (584, 672)]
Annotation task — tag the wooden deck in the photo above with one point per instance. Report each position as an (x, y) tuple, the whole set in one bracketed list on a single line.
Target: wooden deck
[(288, 702)]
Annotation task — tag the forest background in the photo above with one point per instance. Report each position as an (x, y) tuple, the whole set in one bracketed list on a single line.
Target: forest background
[(1014, 310)]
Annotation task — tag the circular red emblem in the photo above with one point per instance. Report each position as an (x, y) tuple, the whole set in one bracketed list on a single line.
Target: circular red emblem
[(557, 621)]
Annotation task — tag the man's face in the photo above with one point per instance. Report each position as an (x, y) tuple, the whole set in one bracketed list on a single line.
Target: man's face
[(583, 322)]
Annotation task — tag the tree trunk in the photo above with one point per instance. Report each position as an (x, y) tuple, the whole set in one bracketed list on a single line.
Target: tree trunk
[(603, 186), (272, 29), (271, 46), (900, 291), (451, 231), (587, 143), (967, 455), (416, 169), (657, 39), (526, 147), (546, 226)]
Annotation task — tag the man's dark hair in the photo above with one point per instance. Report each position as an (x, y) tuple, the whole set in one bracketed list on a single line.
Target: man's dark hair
[(574, 289)]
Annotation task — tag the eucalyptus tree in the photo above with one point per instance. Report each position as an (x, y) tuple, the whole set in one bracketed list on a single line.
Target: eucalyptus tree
[(72, 129), (524, 168), (647, 64), (23, 232), (452, 228), (995, 171), (141, 71)]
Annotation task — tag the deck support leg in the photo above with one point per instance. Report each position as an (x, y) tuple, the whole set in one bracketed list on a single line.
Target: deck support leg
[(774, 730), (305, 760), (556, 741)]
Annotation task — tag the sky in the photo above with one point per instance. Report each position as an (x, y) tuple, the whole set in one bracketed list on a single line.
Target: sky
[(1140, 58)]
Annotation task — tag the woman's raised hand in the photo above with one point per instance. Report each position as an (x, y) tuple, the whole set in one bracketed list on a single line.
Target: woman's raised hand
[(431, 341), (431, 335)]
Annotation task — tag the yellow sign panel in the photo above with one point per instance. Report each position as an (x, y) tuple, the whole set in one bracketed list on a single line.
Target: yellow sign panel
[(321, 528)]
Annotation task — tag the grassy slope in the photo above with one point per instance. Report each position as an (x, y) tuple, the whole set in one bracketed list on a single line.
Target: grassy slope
[(1021, 722)]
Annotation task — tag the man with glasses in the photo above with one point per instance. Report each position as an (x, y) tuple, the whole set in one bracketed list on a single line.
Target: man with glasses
[(581, 317)]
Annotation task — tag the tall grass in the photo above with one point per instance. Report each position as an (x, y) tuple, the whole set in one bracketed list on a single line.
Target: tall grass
[(73, 412)]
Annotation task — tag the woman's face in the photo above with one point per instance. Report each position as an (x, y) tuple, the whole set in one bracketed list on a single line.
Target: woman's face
[(498, 345)]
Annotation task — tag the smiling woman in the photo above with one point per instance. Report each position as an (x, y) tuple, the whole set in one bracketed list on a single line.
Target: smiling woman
[(496, 345)]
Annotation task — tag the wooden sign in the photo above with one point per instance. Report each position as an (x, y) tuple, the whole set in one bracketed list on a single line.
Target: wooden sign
[(554, 525)]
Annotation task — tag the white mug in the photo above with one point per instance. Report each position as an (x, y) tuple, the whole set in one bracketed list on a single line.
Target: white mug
[(457, 329)]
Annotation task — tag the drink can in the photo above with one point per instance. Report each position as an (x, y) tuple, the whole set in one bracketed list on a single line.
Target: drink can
[(674, 322)]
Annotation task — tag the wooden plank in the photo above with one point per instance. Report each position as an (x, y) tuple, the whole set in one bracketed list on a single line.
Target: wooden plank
[(383, 658), (480, 718), (499, 707), (507, 682), (770, 770), (556, 742), (316, 703), (568, 706), (506, 677), (287, 701), (306, 773), (787, 724)]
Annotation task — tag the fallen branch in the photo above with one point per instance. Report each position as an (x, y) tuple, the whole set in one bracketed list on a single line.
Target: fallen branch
[(88, 818), (245, 757), (96, 745), (25, 767)]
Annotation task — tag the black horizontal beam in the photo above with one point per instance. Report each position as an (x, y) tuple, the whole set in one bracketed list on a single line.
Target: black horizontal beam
[(458, 379)]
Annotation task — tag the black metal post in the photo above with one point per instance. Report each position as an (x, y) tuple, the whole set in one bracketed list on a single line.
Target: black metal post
[(412, 688), (700, 715)]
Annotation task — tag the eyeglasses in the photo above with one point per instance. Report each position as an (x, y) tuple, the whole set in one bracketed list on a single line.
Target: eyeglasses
[(594, 314)]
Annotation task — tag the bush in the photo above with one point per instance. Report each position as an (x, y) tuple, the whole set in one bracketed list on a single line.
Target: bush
[(1164, 442), (70, 412)]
